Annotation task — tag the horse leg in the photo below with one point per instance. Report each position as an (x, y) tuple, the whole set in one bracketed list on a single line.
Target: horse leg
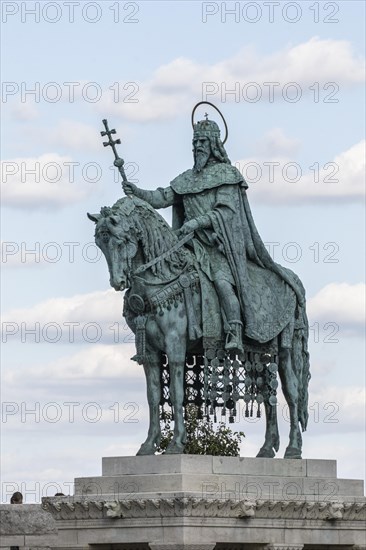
[(289, 383), (272, 437), (152, 373), (176, 446), (176, 352)]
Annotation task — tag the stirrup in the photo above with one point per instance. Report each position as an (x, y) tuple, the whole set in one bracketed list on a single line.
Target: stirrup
[(234, 337)]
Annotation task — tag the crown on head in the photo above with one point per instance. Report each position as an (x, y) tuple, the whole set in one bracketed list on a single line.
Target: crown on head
[(206, 128)]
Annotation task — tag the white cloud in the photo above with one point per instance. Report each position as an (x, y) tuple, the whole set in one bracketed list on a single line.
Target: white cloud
[(276, 144), (341, 303), (174, 84), (47, 181), (75, 136), (10, 257), (24, 112), (277, 178), (305, 63), (95, 317), (344, 406), (96, 364), (68, 135)]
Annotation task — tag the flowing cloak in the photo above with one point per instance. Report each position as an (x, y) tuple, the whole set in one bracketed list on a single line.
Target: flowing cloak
[(267, 291)]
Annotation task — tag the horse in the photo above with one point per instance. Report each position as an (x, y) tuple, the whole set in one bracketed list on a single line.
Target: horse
[(146, 259)]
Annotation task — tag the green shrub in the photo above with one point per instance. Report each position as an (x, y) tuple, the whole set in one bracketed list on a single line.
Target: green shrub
[(202, 437)]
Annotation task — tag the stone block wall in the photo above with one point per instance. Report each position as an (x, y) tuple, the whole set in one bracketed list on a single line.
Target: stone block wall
[(27, 526)]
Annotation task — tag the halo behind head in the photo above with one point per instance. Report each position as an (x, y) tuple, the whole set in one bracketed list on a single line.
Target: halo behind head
[(207, 128)]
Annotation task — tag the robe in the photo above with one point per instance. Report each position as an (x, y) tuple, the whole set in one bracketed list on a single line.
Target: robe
[(233, 249)]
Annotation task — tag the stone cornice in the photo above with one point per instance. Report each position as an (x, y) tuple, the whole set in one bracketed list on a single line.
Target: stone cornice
[(66, 509)]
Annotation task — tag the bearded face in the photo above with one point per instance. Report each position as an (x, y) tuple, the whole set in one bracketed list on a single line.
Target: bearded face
[(201, 153)]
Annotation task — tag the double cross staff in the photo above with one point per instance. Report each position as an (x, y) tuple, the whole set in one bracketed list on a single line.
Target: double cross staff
[(118, 161)]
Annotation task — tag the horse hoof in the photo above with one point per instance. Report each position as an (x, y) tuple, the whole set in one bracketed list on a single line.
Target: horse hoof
[(146, 449), (174, 449), (266, 453), (292, 452), (144, 452)]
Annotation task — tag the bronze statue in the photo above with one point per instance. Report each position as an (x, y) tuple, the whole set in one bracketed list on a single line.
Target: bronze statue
[(207, 287)]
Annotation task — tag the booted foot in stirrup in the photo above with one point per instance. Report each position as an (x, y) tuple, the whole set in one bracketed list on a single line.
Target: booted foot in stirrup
[(234, 337)]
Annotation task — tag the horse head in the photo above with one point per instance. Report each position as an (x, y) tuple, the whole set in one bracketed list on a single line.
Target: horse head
[(133, 232), (116, 236)]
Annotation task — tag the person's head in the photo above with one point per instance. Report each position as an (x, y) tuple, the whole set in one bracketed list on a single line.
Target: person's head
[(17, 498), (207, 144)]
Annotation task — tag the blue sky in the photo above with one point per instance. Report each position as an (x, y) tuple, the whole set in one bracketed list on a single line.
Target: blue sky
[(161, 65)]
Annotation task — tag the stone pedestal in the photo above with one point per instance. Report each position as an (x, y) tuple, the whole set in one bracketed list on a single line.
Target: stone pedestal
[(27, 526), (204, 502)]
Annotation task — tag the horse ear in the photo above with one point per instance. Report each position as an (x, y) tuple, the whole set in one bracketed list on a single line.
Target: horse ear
[(114, 220), (94, 217)]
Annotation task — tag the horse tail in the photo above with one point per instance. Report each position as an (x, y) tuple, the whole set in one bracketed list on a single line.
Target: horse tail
[(301, 360)]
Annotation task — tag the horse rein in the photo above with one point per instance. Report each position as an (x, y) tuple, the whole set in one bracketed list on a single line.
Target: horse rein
[(176, 247)]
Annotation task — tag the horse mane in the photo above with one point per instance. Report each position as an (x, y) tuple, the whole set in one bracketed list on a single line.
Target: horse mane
[(153, 232)]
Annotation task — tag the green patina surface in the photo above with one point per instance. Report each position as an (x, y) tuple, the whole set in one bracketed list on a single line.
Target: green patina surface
[(206, 284)]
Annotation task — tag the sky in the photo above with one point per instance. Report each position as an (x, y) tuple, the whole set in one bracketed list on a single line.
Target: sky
[(289, 80)]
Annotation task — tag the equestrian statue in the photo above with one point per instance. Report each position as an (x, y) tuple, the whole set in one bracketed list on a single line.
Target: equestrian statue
[(206, 292)]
